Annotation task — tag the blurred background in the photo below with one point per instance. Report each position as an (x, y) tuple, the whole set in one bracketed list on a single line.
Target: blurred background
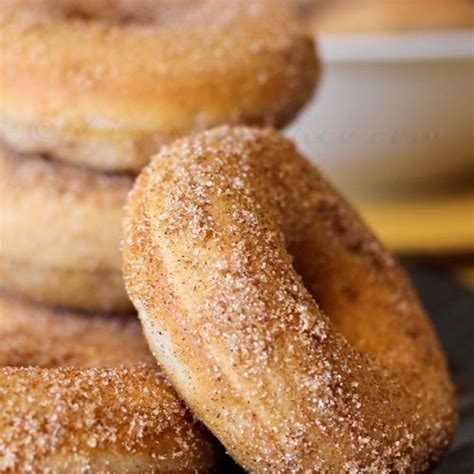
[(392, 124)]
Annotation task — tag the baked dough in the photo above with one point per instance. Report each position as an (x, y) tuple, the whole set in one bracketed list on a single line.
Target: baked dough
[(278, 317), (105, 83)]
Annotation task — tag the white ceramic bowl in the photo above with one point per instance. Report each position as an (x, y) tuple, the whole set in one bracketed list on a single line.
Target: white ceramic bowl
[(391, 110)]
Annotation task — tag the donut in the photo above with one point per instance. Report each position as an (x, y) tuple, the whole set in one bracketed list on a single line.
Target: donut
[(60, 231), (83, 394), (106, 83), (278, 317)]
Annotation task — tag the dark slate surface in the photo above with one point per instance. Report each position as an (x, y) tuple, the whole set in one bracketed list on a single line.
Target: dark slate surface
[(451, 308)]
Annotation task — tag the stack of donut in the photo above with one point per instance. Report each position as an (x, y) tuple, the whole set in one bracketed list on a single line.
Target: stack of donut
[(276, 316), (89, 91)]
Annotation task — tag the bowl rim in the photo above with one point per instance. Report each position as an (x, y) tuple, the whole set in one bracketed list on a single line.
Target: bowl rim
[(393, 47)]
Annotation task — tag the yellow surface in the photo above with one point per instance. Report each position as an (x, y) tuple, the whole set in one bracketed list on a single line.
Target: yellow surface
[(426, 225)]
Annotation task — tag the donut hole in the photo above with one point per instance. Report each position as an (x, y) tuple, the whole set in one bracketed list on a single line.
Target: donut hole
[(21, 348), (117, 19), (136, 13), (25, 359), (77, 14), (49, 358)]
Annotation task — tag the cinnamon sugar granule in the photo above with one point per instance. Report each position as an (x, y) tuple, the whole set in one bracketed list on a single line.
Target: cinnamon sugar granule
[(274, 311), (83, 394)]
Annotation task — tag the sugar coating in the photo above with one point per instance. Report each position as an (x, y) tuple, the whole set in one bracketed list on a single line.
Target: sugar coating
[(68, 253), (107, 83), (82, 394), (279, 318)]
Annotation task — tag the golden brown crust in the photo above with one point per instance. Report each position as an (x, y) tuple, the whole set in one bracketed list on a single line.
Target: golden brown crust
[(60, 231), (98, 85), (82, 394), (278, 317)]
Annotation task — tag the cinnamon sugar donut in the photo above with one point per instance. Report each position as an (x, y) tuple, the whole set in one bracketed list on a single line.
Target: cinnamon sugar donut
[(105, 83), (281, 321), (81, 394), (60, 231)]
